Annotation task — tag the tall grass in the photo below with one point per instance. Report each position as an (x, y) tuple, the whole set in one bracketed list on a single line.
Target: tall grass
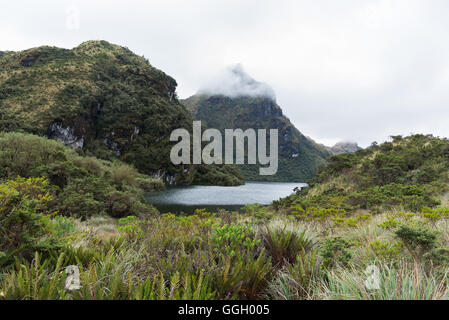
[(404, 282)]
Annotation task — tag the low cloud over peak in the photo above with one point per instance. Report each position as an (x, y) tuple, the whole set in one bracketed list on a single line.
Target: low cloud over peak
[(235, 82)]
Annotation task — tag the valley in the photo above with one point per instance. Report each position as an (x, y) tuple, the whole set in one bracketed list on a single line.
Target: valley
[(86, 180)]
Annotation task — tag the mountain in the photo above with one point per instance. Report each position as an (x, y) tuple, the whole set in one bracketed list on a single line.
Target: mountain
[(408, 173), (344, 147), (241, 102), (102, 99), (2, 53)]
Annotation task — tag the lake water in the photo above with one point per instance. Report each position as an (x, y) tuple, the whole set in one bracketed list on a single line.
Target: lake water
[(187, 199)]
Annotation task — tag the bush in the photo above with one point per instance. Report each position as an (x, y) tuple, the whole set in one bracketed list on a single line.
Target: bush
[(24, 216), (229, 239), (439, 256), (74, 203), (149, 184), (410, 173), (83, 186), (130, 226), (386, 250), (334, 251), (417, 239), (123, 175)]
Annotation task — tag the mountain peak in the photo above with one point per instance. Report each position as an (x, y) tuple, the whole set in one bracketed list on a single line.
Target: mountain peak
[(344, 147), (235, 82)]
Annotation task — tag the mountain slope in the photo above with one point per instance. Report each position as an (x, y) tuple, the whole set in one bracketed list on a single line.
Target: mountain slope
[(344, 147), (299, 156), (99, 97), (408, 173)]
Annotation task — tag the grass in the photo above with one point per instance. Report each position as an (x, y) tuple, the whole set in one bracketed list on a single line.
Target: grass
[(404, 282), (288, 250), (174, 257)]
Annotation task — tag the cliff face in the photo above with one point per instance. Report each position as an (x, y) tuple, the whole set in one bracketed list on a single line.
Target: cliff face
[(98, 97), (299, 156)]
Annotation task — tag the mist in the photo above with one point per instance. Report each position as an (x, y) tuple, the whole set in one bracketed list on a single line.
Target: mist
[(341, 70), (234, 82)]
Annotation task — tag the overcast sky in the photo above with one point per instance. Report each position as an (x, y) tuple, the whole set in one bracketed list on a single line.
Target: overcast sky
[(358, 70)]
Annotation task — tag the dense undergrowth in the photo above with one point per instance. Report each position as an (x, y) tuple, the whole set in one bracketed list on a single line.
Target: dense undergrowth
[(79, 186), (410, 172), (252, 255), (307, 246)]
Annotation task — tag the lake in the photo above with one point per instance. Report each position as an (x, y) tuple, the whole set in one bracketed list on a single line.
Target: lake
[(187, 199)]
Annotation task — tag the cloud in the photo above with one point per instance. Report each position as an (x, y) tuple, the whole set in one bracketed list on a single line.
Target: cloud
[(235, 82), (341, 70)]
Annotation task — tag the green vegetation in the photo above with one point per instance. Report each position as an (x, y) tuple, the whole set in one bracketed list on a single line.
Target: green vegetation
[(294, 249), (221, 175), (299, 156), (77, 186), (104, 100), (380, 212), (410, 173), (224, 256)]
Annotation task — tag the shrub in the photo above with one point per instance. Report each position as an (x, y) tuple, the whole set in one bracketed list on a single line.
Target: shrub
[(262, 214), (334, 251), (22, 154), (438, 256), (417, 239), (149, 184), (76, 202), (386, 250), (130, 226), (24, 215), (83, 186), (123, 174), (229, 239)]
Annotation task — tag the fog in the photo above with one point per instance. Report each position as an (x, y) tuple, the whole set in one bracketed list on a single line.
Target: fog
[(234, 81), (342, 70)]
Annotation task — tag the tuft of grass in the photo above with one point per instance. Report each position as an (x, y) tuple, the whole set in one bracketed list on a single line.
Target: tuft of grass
[(404, 282), (283, 245)]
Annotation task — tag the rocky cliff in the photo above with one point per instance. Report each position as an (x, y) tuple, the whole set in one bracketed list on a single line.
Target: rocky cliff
[(253, 105)]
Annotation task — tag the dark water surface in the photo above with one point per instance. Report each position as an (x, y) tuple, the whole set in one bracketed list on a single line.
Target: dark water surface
[(187, 199)]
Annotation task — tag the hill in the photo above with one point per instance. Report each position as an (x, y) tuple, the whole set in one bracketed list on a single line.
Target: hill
[(249, 104), (344, 147), (100, 98), (409, 173)]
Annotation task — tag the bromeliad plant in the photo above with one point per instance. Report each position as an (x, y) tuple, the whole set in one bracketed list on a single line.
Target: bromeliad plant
[(283, 245)]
